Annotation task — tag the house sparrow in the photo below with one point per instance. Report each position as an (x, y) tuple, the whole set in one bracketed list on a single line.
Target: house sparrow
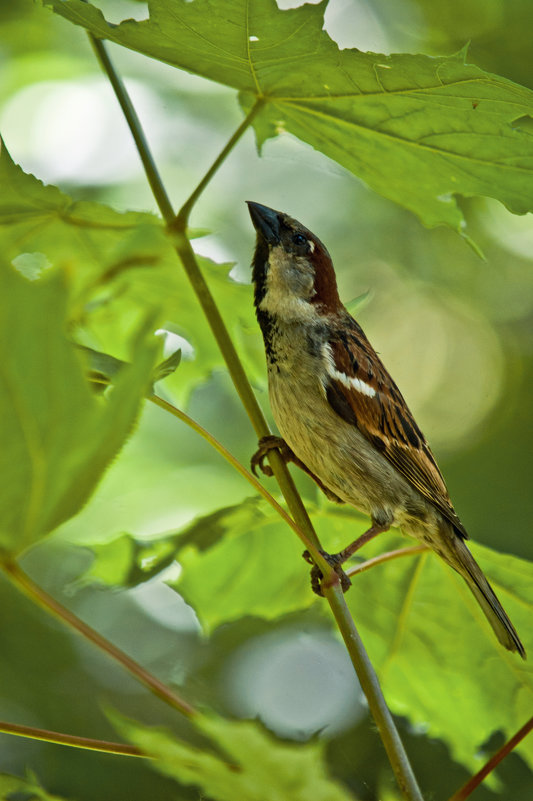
[(341, 416)]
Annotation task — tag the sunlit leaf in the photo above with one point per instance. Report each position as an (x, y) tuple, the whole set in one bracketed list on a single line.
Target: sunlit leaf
[(57, 437), (437, 656), (118, 265), (418, 130), (253, 567), (41, 225), (413, 611), (249, 764), (244, 549)]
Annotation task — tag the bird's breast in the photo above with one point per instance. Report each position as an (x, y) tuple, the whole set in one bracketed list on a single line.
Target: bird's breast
[(334, 450)]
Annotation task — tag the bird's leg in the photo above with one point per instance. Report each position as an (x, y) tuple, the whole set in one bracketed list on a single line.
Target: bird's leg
[(373, 531), (336, 560), (272, 442)]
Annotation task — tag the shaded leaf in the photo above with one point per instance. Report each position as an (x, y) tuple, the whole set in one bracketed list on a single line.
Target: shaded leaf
[(167, 366), (58, 438), (255, 766), (418, 130), (15, 788), (104, 368), (126, 560)]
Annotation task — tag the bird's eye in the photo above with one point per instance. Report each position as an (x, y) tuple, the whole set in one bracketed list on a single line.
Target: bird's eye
[(299, 239)]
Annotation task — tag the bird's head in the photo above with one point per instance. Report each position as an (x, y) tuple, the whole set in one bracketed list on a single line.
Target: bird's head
[(293, 273)]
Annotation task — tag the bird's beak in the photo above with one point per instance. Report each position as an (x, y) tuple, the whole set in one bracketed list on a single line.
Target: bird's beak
[(266, 222)]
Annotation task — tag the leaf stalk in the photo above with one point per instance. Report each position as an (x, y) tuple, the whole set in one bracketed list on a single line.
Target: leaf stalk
[(468, 788), (39, 596), (72, 740), (182, 217)]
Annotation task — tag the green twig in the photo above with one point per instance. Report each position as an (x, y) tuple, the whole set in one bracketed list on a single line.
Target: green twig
[(199, 285), (24, 583), (385, 557), (256, 484), (376, 702), (468, 788), (183, 215), (397, 755), (72, 740), (134, 124)]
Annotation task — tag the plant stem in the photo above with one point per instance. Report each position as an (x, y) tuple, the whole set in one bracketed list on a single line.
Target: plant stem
[(256, 484), (24, 583), (134, 124), (72, 740), (183, 214), (199, 285), (358, 655), (370, 684), (385, 557), (468, 788)]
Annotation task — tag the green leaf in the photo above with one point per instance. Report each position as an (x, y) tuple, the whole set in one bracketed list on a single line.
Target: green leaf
[(416, 616), (418, 130), (58, 438), (167, 366), (126, 560), (15, 788), (104, 368), (253, 566), (253, 562), (438, 659), (244, 549), (118, 265), (253, 766), (40, 225)]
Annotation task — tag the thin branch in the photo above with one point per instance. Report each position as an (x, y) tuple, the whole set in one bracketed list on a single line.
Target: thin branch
[(39, 596), (183, 214), (397, 755), (376, 702), (134, 124), (385, 557), (72, 740), (256, 484), (205, 298), (468, 788)]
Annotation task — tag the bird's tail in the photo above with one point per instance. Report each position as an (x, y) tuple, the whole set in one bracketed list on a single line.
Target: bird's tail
[(459, 557)]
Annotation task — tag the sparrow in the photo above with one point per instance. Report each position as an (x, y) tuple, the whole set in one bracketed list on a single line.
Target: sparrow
[(341, 417)]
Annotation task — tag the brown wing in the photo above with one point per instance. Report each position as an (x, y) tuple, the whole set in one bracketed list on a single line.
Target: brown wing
[(383, 416)]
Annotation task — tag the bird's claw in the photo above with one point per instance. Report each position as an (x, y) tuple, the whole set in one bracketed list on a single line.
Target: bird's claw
[(267, 444), (317, 576)]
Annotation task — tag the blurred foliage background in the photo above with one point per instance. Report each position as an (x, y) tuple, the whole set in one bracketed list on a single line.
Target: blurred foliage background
[(455, 331)]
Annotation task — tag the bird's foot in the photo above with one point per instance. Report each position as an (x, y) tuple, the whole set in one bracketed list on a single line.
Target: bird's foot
[(267, 444), (317, 577)]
